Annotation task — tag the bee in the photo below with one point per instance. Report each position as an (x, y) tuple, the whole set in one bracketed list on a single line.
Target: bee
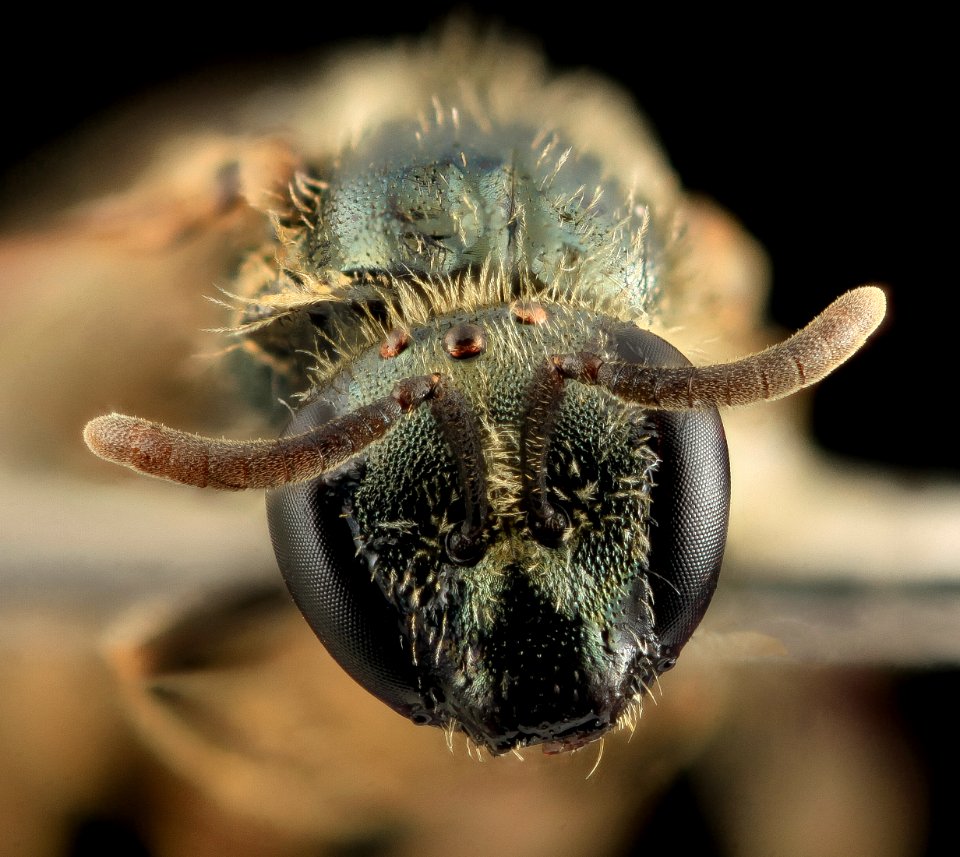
[(149, 645), (501, 501)]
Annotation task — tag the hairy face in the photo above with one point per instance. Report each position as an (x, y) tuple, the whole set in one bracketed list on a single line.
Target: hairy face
[(482, 615)]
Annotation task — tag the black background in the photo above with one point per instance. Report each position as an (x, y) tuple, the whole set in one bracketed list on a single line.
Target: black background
[(828, 139)]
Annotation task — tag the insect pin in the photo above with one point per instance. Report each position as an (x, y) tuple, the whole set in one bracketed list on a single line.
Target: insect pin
[(502, 501)]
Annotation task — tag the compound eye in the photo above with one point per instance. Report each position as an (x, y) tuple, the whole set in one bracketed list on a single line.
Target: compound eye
[(332, 585), (690, 502)]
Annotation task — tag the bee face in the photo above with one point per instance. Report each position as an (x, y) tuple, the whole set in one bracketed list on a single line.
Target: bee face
[(423, 566), (502, 503)]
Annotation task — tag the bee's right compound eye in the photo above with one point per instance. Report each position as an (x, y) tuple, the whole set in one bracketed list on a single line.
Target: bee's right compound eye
[(332, 586)]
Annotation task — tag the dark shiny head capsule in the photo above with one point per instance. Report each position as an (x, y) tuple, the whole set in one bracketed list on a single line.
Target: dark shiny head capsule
[(519, 547), (525, 640)]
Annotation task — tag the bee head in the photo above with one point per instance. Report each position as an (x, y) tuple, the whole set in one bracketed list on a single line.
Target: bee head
[(493, 533), (523, 558)]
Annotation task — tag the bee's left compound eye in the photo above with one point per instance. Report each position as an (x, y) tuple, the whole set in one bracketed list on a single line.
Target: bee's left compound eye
[(690, 507)]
